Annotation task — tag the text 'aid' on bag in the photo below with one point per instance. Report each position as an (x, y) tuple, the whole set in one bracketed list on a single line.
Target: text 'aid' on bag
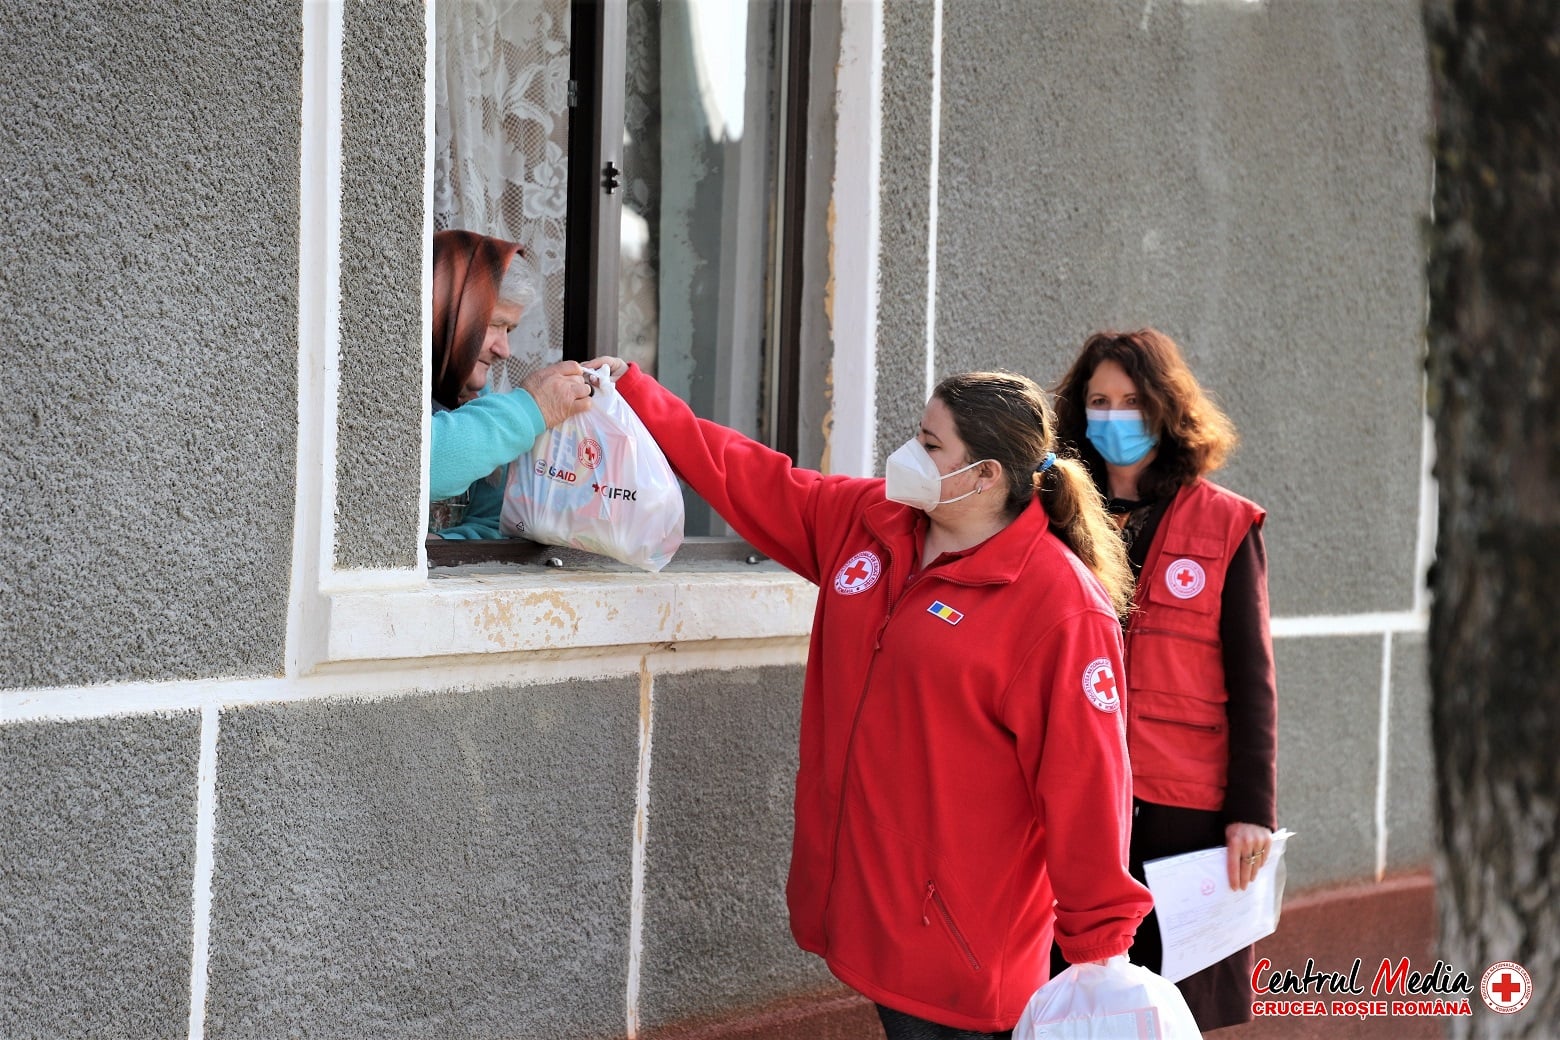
[(597, 481)]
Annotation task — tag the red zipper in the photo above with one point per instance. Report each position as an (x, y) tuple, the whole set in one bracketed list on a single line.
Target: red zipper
[(850, 740), (934, 899)]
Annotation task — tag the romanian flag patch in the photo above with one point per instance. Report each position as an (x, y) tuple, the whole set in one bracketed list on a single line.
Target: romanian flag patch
[(947, 613)]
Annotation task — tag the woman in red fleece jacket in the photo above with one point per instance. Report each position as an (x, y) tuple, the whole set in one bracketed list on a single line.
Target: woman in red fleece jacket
[(963, 786)]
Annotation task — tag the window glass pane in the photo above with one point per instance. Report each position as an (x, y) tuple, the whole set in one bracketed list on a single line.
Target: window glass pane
[(698, 156), (501, 133)]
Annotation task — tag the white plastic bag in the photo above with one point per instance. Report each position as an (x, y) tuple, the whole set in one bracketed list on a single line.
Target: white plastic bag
[(598, 482), (1117, 1000)]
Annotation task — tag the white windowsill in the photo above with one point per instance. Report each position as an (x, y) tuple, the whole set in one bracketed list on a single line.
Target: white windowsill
[(465, 611)]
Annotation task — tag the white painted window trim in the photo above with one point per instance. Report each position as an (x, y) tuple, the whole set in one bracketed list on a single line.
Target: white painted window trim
[(355, 618), (493, 613)]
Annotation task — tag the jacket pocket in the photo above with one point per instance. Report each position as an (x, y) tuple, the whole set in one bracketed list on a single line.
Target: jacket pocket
[(1178, 738), (899, 920), (933, 905), (1165, 662)]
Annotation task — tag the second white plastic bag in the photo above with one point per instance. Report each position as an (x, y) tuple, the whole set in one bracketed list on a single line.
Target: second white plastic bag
[(1117, 1000), (597, 481)]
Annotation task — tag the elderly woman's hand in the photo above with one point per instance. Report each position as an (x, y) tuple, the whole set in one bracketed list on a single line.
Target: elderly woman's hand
[(559, 390), (1247, 845)]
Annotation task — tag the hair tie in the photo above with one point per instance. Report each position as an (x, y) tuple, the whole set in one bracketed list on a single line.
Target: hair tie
[(1045, 463)]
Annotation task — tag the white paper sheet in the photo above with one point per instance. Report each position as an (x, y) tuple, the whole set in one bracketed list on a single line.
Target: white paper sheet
[(1201, 919)]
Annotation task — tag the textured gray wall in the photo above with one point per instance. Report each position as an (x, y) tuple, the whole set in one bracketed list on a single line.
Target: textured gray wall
[(904, 223), (440, 866), (445, 865), (1329, 726), (1252, 179), (458, 863), (1410, 772), (381, 401), (722, 780), (148, 295), (98, 833)]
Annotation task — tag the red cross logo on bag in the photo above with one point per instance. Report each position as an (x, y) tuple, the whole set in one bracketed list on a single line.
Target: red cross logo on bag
[(859, 574)]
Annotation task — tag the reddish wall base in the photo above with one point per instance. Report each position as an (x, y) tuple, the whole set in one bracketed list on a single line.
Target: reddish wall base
[(1392, 919), (826, 1016)]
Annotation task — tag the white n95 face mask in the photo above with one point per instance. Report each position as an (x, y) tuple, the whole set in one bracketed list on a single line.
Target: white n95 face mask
[(911, 477)]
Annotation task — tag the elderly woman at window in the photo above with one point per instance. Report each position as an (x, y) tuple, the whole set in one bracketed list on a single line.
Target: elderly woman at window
[(479, 294)]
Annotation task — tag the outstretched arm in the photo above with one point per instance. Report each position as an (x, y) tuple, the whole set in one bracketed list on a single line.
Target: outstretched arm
[(770, 502)]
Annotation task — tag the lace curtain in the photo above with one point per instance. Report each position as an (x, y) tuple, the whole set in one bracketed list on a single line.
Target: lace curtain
[(501, 134)]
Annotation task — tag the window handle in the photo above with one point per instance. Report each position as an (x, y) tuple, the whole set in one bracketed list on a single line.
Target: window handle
[(609, 178)]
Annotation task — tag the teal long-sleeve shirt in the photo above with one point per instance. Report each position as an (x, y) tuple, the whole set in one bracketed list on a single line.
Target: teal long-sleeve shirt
[(468, 443)]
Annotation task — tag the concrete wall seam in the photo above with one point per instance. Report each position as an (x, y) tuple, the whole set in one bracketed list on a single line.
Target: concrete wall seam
[(83, 703), (636, 908), (1385, 716), (1349, 624), (205, 840)]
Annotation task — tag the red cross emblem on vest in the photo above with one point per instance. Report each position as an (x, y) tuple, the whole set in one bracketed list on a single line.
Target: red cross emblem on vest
[(1100, 685), (859, 574), (1185, 578)]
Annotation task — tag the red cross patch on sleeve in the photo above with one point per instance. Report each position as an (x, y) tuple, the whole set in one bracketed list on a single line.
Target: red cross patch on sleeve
[(1099, 683)]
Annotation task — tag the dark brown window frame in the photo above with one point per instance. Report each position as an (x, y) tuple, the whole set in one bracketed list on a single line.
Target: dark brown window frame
[(597, 57)]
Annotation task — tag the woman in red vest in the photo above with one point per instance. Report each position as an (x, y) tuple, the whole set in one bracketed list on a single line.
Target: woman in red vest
[(1202, 702)]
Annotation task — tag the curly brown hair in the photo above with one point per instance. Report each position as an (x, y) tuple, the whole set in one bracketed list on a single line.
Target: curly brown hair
[(1195, 436)]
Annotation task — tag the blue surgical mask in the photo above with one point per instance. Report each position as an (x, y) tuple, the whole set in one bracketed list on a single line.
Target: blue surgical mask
[(1121, 437)]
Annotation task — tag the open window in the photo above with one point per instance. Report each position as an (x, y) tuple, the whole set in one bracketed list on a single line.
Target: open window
[(648, 155)]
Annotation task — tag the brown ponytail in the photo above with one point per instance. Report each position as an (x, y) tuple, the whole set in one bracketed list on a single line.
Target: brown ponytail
[(1008, 418), (1077, 513)]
